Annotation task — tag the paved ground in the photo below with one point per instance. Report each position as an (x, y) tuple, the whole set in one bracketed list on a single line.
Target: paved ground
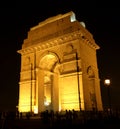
[(65, 124), (62, 120)]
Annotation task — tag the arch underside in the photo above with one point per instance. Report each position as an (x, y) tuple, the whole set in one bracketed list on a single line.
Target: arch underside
[(48, 64)]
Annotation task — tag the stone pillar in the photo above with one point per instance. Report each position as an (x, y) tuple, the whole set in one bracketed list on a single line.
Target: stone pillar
[(41, 91), (81, 92), (98, 95), (55, 93)]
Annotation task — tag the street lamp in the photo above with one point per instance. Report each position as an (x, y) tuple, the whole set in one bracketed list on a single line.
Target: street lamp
[(107, 84)]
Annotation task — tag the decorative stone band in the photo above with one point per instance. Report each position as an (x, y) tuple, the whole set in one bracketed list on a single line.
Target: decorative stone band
[(57, 41)]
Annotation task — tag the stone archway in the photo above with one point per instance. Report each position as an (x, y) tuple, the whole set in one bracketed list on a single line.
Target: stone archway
[(48, 65), (53, 82)]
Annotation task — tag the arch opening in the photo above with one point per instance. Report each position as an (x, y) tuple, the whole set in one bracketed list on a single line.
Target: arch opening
[(48, 64)]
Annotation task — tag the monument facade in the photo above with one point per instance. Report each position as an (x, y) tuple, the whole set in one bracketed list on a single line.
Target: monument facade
[(59, 68)]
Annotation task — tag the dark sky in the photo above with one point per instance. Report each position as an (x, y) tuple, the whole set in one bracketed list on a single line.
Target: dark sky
[(16, 20)]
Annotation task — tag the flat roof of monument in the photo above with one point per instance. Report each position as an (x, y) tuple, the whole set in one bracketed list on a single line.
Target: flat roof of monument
[(54, 18)]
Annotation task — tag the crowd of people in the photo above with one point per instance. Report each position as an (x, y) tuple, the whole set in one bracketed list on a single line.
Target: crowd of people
[(69, 118)]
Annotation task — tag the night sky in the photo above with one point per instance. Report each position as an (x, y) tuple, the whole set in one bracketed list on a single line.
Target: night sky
[(16, 20)]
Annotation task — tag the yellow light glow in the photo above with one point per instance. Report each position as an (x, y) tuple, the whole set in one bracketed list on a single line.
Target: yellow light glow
[(35, 110), (24, 108), (46, 103)]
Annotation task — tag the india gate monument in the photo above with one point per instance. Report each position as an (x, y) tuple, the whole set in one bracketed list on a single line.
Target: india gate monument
[(59, 68)]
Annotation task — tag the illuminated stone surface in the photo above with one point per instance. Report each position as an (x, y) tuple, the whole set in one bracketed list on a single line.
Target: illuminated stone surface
[(59, 67)]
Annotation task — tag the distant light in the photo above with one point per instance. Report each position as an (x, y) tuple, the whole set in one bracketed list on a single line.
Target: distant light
[(107, 82), (83, 24)]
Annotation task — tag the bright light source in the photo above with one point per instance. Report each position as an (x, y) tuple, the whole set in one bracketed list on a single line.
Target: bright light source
[(72, 18), (107, 82), (35, 110), (46, 103), (83, 24)]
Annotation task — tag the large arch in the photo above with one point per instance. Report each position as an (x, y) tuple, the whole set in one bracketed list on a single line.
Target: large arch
[(48, 64), (51, 80)]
